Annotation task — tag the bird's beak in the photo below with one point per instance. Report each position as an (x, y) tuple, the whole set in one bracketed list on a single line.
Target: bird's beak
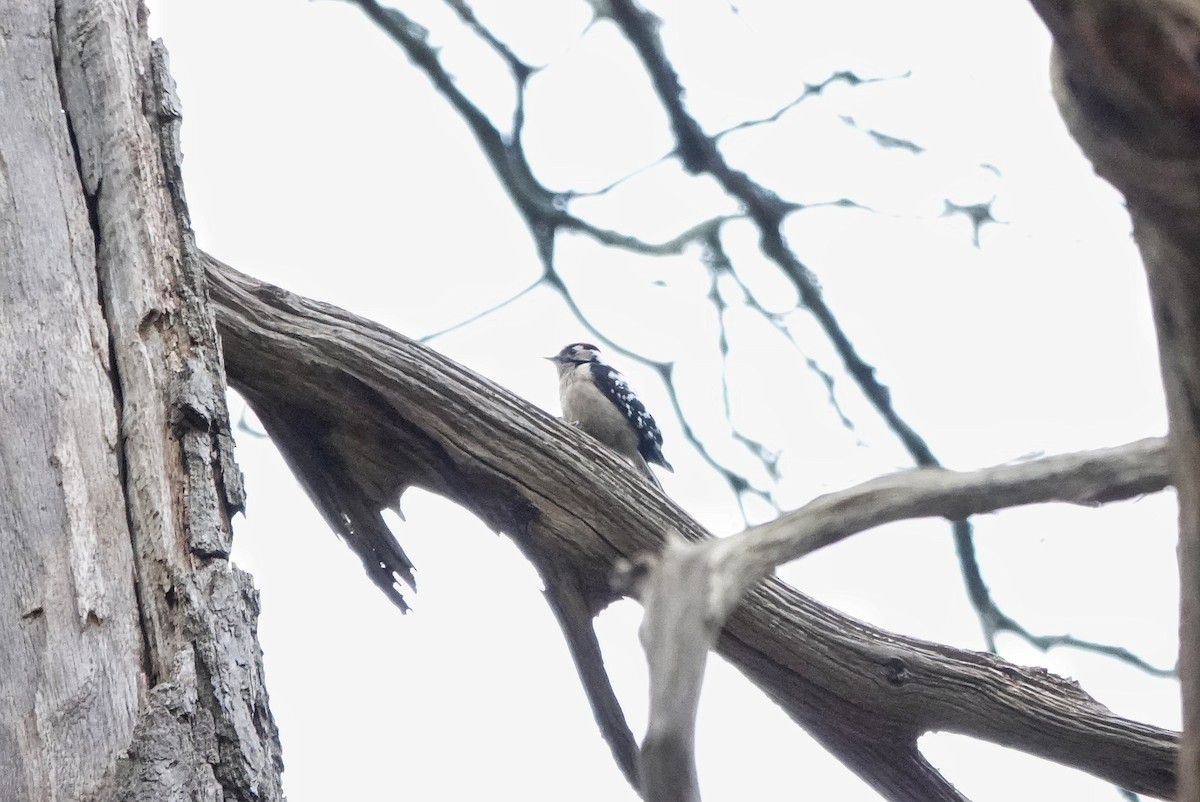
[(550, 358)]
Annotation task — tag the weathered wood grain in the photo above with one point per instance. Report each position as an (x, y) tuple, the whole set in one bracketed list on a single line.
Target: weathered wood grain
[(70, 644), (129, 665)]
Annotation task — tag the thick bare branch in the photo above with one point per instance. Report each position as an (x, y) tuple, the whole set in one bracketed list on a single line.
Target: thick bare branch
[(1088, 477), (691, 590), (677, 637), (397, 414)]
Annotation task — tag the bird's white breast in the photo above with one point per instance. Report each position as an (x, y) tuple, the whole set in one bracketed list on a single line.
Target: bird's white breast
[(586, 405)]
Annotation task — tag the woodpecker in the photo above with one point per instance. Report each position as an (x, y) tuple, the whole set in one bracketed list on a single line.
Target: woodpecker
[(597, 398)]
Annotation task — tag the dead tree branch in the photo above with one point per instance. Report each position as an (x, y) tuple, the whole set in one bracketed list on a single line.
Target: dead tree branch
[(1087, 478), (692, 588), (390, 413)]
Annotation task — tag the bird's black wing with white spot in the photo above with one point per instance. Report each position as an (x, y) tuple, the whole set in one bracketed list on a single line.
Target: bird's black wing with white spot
[(614, 385)]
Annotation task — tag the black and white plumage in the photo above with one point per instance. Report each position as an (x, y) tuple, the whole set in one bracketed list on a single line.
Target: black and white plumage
[(598, 399)]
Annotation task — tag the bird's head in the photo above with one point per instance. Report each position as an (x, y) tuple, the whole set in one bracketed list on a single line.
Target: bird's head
[(574, 354)]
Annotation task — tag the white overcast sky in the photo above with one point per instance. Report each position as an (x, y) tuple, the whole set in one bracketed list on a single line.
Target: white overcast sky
[(317, 158)]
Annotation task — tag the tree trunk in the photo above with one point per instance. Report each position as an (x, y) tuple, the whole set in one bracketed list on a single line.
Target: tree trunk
[(1125, 79), (129, 664)]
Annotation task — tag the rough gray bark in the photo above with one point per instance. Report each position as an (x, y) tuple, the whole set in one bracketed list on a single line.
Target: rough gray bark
[(129, 665), (1127, 83), (371, 413)]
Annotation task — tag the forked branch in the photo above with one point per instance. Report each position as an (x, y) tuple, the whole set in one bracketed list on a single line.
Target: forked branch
[(690, 590)]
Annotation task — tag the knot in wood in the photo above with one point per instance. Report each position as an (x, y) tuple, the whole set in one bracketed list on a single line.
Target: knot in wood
[(895, 671)]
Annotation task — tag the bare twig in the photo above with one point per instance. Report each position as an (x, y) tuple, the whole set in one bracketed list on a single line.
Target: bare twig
[(1119, 653), (480, 315), (810, 90), (671, 247), (719, 264), (842, 76), (978, 214), (519, 69), (884, 140)]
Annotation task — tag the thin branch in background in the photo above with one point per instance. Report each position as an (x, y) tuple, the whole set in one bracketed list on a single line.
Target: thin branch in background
[(810, 90), (671, 247), (723, 347), (719, 264), (831, 392), (980, 215), (604, 190), (990, 616), (480, 315), (995, 621), (1119, 653), (738, 483), (777, 321), (842, 76), (535, 203), (884, 140), (840, 203), (519, 69), (888, 141), (543, 209)]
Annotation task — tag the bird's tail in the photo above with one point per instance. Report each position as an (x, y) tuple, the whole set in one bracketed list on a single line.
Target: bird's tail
[(645, 469)]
